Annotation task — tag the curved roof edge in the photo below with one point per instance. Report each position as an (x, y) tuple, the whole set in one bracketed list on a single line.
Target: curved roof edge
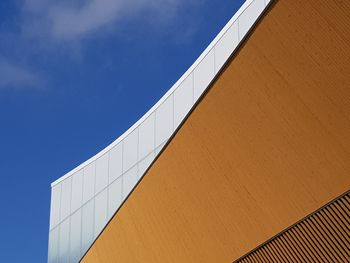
[(165, 96)]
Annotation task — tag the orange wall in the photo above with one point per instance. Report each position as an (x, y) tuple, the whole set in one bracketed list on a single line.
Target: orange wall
[(268, 144)]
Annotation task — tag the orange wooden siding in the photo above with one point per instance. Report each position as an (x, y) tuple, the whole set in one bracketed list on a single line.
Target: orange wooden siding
[(268, 144)]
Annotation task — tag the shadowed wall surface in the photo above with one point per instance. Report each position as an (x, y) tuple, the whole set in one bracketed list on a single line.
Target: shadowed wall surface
[(267, 145)]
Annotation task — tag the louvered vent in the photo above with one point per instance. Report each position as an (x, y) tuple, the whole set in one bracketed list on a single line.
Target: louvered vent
[(323, 236)]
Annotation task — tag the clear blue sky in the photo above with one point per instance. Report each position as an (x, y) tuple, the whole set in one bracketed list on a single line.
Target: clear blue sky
[(73, 77)]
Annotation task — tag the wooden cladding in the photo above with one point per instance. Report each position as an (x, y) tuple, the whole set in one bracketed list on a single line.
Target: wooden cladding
[(324, 236), (268, 145)]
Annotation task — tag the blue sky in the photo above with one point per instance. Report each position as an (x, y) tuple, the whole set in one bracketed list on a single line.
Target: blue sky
[(74, 75)]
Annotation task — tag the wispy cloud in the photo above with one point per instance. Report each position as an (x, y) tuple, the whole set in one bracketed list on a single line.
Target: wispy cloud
[(66, 21), (13, 76), (48, 30)]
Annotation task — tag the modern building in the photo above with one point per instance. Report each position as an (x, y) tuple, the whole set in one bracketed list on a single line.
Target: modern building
[(245, 159)]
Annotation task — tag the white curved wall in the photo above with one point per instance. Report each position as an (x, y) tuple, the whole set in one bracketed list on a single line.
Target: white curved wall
[(83, 200)]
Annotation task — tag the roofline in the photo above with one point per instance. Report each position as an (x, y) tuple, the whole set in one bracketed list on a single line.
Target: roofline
[(165, 96)]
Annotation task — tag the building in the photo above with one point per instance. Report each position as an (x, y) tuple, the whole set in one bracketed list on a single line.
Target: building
[(246, 158)]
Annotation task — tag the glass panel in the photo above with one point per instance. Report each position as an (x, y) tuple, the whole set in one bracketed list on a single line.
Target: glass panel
[(89, 182), (55, 205), (115, 162), (101, 173), (249, 16), (144, 164), (226, 45), (115, 196), (66, 197), (64, 242), (146, 136), (53, 245), (203, 74), (75, 236), (87, 226), (77, 190), (100, 212), (130, 179), (130, 145), (183, 100), (164, 120)]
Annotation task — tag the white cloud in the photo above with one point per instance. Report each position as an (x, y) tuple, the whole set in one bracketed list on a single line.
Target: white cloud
[(69, 23), (66, 21), (13, 76), (48, 28)]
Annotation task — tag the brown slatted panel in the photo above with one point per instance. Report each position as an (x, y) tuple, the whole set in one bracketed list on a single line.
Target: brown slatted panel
[(323, 236)]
